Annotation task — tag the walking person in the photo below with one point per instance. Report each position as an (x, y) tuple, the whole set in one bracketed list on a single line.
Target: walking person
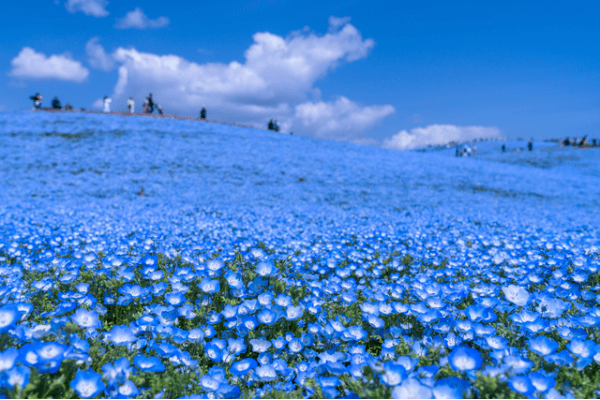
[(150, 104), (203, 113), (107, 101), (37, 100), (130, 105), (530, 145)]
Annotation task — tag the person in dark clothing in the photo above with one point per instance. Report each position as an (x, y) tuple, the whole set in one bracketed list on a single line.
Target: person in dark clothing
[(203, 113), (567, 142), (56, 104), (150, 104), (270, 126), (594, 142), (504, 148), (530, 145), (37, 100)]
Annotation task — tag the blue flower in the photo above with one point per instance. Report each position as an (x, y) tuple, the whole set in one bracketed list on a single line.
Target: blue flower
[(86, 319), (582, 348), (214, 352), (9, 315), (133, 291), (450, 388), (236, 346), (87, 384), (234, 279), (267, 317), (148, 364), (295, 346), (18, 376), (121, 335), (209, 286), (266, 373), (412, 389), (230, 311), (174, 298), (354, 333), (7, 358), (521, 384), (243, 366), (543, 346), (293, 313), (542, 381), (128, 390), (516, 294), (465, 359), (265, 268), (118, 372)]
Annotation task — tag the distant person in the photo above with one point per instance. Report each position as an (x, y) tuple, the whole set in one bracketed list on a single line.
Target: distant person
[(130, 105), (107, 101), (504, 148), (145, 107), (594, 142), (275, 126), (530, 145), (37, 100), (68, 107), (456, 153), (567, 142), (56, 103), (150, 104), (271, 126), (203, 113)]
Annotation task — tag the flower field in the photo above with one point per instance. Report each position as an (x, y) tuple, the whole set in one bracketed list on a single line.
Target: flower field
[(158, 258)]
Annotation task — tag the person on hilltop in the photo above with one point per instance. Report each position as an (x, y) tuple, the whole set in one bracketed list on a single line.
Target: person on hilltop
[(275, 126), (150, 104), (68, 107), (107, 101), (530, 145), (37, 100), (130, 105), (203, 113), (56, 103), (271, 126)]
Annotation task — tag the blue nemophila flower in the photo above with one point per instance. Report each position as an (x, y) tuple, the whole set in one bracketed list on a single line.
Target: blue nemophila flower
[(118, 372), (354, 333), (214, 352), (518, 365), (209, 286), (230, 311), (265, 268), (266, 373), (248, 307), (393, 374), (128, 390), (267, 317), (148, 364), (133, 291), (87, 384), (149, 260), (260, 345), (215, 265), (283, 300), (521, 384), (174, 298), (412, 389), (49, 352), (543, 346), (496, 342), (209, 383), (243, 366), (293, 313), (86, 319), (465, 359), (582, 348), (450, 388), (7, 359), (9, 315), (17, 376), (186, 311), (542, 381), (121, 335), (375, 322), (236, 346), (516, 294)]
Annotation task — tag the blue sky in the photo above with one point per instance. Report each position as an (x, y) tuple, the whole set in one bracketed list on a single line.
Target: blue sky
[(389, 73)]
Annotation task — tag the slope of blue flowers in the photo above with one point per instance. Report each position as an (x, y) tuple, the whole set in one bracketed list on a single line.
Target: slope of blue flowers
[(144, 257)]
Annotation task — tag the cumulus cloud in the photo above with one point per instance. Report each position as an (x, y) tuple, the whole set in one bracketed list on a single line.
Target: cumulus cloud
[(278, 73), (341, 119), (96, 8), (439, 134), (29, 64), (97, 57), (138, 20)]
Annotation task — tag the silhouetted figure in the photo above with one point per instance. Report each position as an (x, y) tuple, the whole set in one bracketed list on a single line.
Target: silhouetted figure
[(271, 126), (56, 103), (68, 107), (107, 101), (594, 142), (131, 105), (160, 110), (37, 100), (203, 113), (504, 148), (567, 142), (530, 145), (145, 107), (150, 104), (456, 154)]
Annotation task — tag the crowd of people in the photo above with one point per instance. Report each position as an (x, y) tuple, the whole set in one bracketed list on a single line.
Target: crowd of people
[(148, 107)]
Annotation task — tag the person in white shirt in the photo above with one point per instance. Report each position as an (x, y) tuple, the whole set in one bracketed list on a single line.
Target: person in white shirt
[(130, 105), (107, 101)]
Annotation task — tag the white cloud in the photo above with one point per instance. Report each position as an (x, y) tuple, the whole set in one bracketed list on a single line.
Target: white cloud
[(97, 57), (29, 64), (439, 134), (138, 20), (96, 8), (342, 119), (277, 73)]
